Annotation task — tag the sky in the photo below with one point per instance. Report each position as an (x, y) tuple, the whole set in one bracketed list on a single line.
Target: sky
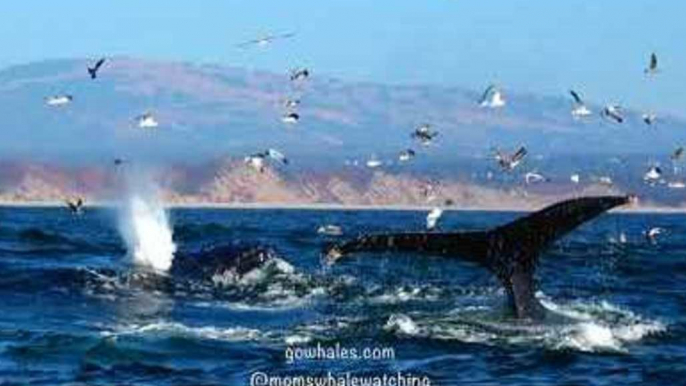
[(599, 48)]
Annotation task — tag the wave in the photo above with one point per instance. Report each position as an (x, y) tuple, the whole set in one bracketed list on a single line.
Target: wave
[(166, 329), (36, 241), (201, 232), (581, 326)]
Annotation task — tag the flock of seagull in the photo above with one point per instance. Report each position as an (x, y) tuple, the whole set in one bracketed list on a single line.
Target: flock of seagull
[(493, 97)]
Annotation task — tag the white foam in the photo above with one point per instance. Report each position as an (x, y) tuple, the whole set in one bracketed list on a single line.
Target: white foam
[(297, 339), (232, 334), (584, 326), (402, 324), (589, 336)]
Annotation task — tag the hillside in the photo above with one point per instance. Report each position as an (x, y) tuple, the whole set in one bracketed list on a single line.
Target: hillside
[(212, 116)]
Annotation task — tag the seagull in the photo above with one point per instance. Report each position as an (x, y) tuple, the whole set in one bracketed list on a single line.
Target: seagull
[(605, 180), (276, 156), (508, 162), (677, 154), (59, 100), (119, 162), (649, 118), (291, 103), (147, 121), (652, 234), (653, 175), (373, 162), (300, 74), (424, 134), (533, 177), (406, 155), (264, 40), (580, 110), (433, 217), (652, 66), (93, 71), (256, 161), (75, 205), (492, 98), (290, 118), (613, 112), (575, 178)]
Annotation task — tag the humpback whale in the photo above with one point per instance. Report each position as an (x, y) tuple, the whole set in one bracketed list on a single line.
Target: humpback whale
[(510, 251), (220, 259)]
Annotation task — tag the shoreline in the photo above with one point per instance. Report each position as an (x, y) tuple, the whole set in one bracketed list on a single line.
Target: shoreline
[(334, 207)]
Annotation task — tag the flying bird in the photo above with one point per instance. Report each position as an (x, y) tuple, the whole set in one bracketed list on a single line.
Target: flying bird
[(258, 161), (653, 175), (605, 180), (373, 162), (580, 110), (276, 156), (290, 118), (147, 121), (677, 154), (406, 155), (433, 217), (613, 112), (265, 40), (93, 71), (291, 103), (533, 177), (300, 74), (59, 100), (508, 162), (424, 134), (75, 205), (652, 66), (649, 118), (492, 98)]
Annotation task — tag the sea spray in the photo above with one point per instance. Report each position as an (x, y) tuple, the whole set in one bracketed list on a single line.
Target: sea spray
[(145, 228)]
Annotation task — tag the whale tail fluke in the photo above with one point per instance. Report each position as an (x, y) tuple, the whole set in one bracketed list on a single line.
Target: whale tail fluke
[(510, 251)]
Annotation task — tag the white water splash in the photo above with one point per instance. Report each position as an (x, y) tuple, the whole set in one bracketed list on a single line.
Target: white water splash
[(145, 228), (402, 324), (164, 328), (580, 325)]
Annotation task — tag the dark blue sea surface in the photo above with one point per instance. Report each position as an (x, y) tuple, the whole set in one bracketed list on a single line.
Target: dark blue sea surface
[(76, 310)]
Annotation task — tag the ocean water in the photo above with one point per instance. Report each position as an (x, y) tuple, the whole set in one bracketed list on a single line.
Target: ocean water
[(76, 309)]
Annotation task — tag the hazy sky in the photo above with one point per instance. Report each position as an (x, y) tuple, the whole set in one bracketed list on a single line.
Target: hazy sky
[(598, 47)]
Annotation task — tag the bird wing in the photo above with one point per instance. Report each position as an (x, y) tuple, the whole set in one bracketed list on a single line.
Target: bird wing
[(576, 97), (614, 113), (484, 96), (519, 154), (99, 64), (285, 36), (254, 41), (653, 61), (277, 155)]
